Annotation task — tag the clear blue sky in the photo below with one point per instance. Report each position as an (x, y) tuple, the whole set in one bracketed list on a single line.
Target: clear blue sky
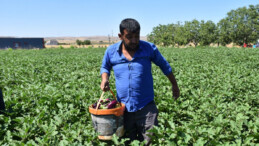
[(53, 18)]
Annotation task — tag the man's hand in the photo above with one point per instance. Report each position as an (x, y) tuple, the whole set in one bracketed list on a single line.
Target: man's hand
[(175, 88), (105, 82), (176, 92), (105, 85)]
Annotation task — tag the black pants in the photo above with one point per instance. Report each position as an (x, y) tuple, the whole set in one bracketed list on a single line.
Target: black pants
[(137, 123), (2, 105)]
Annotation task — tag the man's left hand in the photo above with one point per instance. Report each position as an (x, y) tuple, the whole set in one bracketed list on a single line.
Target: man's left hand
[(176, 92)]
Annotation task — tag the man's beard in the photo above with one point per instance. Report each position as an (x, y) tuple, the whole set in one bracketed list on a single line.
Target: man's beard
[(128, 48)]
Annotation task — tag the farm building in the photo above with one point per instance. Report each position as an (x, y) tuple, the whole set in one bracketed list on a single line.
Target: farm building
[(24, 43), (52, 42)]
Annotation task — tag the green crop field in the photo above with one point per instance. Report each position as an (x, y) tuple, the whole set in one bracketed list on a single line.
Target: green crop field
[(47, 93)]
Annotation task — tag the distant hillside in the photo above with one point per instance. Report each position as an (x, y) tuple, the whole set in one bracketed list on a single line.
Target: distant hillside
[(93, 39)]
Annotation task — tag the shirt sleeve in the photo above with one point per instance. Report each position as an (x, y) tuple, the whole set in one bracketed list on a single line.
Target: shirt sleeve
[(106, 64), (160, 61)]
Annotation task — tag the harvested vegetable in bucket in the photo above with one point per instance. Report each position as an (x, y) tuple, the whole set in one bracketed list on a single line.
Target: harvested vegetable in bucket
[(107, 103)]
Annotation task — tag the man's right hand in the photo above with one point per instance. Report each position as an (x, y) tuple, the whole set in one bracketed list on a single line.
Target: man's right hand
[(105, 82), (105, 85)]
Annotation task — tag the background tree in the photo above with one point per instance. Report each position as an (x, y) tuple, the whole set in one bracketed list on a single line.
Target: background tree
[(87, 42), (207, 33), (78, 42), (244, 24), (193, 31), (180, 35), (223, 32), (162, 35)]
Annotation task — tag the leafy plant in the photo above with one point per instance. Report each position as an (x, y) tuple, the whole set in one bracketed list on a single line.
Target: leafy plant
[(47, 94)]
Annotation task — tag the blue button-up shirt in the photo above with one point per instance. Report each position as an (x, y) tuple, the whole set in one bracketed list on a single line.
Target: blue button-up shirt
[(134, 81)]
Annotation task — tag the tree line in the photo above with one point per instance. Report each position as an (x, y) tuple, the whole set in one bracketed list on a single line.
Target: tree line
[(85, 42), (239, 26)]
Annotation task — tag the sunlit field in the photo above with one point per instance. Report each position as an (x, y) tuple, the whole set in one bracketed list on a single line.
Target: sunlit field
[(47, 93)]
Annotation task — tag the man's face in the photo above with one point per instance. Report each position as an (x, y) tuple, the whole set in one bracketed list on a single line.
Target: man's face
[(130, 40)]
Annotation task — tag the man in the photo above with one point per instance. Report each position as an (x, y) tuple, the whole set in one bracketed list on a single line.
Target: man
[(245, 45), (131, 61)]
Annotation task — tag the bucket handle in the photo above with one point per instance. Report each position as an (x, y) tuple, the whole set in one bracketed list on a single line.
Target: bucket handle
[(102, 98), (99, 101), (114, 96)]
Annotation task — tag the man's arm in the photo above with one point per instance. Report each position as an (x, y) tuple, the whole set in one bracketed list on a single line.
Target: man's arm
[(105, 82), (160, 61), (2, 105), (105, 72), (175, 88)]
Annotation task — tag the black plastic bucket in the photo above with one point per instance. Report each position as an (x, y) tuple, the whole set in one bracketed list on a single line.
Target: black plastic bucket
[(107, 125)]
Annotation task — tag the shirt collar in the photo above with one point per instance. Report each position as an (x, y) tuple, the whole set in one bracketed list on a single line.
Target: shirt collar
[(119, 46)]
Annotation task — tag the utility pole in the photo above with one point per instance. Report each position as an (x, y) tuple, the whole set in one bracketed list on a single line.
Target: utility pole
[(112, 36), (109, 38)]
